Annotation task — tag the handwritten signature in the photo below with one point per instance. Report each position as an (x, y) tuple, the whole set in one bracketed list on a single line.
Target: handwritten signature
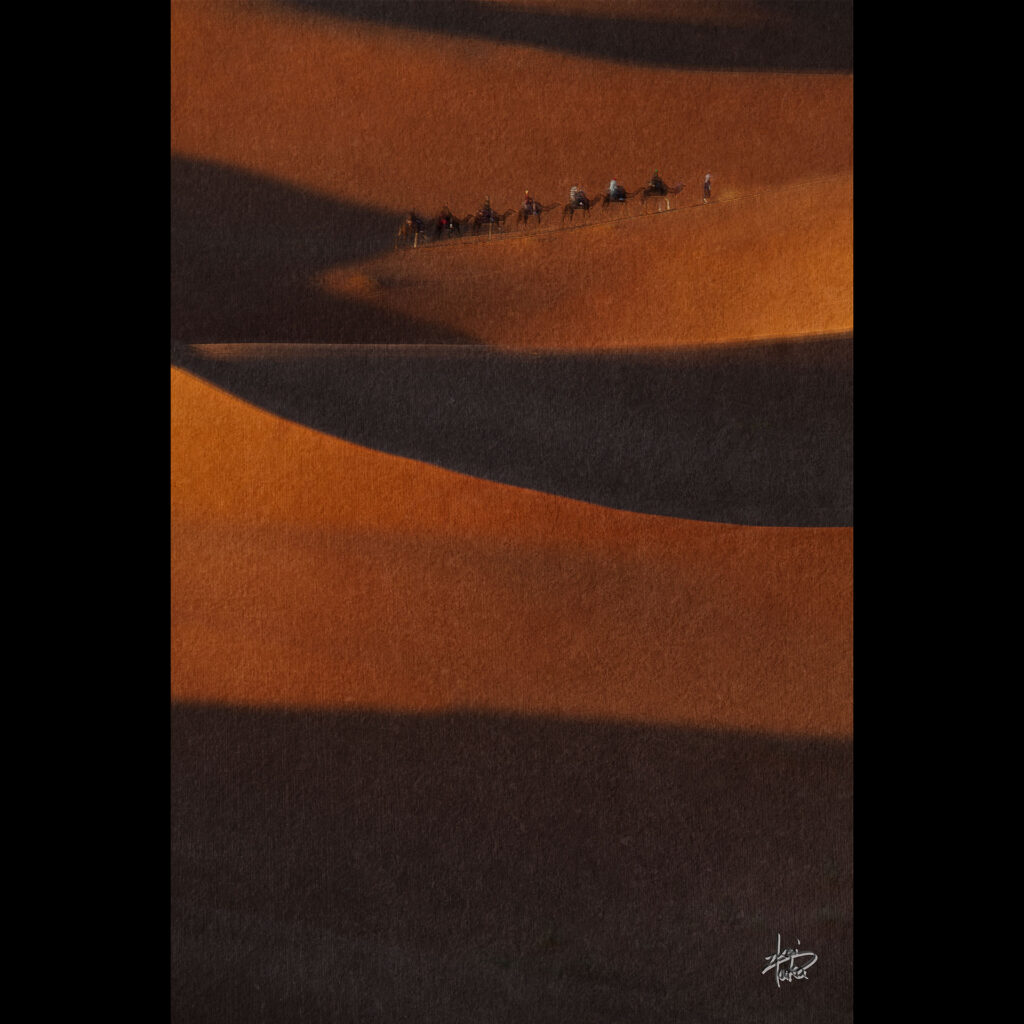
[(784, 963)]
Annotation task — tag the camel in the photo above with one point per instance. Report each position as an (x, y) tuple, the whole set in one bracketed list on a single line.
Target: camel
[(621, 196), (583, 205), (482, 217), (448, 224), (532, 209), (664, 192), (412, 229)]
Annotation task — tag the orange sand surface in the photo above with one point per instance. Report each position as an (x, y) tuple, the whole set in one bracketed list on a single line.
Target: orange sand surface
[(400, 118), (311, 572), (773, 264)]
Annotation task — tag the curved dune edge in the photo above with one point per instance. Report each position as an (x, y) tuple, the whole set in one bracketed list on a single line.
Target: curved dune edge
[(397, 118), (774, 263), (308, 572)]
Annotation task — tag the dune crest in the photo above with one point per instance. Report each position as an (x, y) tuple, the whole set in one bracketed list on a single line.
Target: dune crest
[(397, 118), (770, 264), (308, 572)]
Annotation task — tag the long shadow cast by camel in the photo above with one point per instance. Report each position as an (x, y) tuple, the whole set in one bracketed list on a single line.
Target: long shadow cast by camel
[(245, 251), (759, 434), (778, 36), (465, 868)]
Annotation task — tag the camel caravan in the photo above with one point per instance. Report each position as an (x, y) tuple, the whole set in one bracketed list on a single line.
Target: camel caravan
[(414, 230)]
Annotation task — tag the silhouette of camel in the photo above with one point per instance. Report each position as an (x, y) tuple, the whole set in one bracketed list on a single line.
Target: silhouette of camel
[(446, 223), (622, 196), (583, 205), (481, 217), (410, 231), (664, 192), (532, 209)]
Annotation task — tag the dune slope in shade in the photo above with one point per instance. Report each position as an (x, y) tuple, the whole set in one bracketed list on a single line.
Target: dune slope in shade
[(793, 36), (758, 434), (479, 868), (752, 434), (310, 572), (255, 259), (447, 748), (247, 255)]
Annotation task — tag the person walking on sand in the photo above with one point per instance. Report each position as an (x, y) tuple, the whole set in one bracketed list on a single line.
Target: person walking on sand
[(707, 187)]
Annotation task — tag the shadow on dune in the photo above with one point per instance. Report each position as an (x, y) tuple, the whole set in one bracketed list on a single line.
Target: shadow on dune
[(760, 434), (244, 250), (467, 868), (780, 36)]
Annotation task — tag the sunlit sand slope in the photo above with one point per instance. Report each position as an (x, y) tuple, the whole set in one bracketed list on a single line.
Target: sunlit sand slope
[(447, 746), (396, 117), (772, 264), (311, 572)]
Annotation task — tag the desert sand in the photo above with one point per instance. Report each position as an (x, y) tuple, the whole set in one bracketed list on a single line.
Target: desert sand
[(311, 572), (340, 587)]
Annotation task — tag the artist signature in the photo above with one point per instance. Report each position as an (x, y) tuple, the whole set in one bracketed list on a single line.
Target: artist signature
[(784, 963)]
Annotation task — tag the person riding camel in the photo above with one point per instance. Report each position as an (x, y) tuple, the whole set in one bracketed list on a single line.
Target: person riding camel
[(577, 198), (530, 205), (656, 185), (446, 217), (616, 191), (486, 213)]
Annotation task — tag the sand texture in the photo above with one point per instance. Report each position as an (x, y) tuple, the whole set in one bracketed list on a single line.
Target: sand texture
[(512, 572)]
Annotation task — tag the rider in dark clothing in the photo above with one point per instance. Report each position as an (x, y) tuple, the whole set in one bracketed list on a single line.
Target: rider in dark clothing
[(656, 185), (486, 213)]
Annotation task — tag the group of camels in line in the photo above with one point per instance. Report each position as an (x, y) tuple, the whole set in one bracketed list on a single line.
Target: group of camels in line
[(447, 225)]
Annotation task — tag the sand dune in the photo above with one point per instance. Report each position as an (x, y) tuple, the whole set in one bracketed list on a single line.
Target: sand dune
[(448, 743), (471, 867), (770, 264), (258, 260), (310, 572), (396, 118), (757, 434)]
